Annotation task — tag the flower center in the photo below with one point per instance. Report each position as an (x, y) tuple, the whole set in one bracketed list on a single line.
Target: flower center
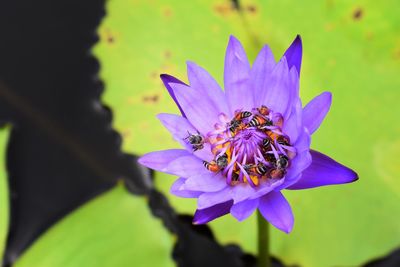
[(249, 147)]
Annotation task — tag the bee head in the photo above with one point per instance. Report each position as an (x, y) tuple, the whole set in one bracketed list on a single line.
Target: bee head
[(266, 143), (222, 161), (282, 162), (283, 140), (247, 114)]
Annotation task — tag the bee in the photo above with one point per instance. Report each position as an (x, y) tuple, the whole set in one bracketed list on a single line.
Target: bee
[(236, 123), (277, 173), (218, 164), (278, 120), (242, 115), (263, 110), (259, 169), (235, 177), (233, 126), (211, 166), (283, 140), (266, 144), (282, 162), (196, 140), (222, 161), (269, 157), (280, 168), (259, 121)]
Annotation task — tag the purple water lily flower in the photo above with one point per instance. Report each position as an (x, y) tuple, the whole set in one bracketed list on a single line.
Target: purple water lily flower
[(242, 146)]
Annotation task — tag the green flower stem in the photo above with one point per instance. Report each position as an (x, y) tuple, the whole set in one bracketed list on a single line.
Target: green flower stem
[(264, 259)]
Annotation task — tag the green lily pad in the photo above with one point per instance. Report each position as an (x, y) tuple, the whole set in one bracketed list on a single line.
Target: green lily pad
[(351, 50), (114, 229)]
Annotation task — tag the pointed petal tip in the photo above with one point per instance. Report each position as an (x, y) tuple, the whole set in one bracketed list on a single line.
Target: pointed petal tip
[(236, 46), (232, 38), (142, 160), (160, 116), (166, 78), (202, 216), (238, 217), (287, 231), (294, 53), (324, 171), (147, 160), (297, 43), (327, 94), (353, 176), (192, 69), (266, 51), (190, 64)]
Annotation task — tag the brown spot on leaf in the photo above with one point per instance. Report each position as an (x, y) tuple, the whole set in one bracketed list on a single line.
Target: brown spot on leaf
[(151, 98), (167, 12), (154, 75), (109, 37), (224, 9), (358, 13), (251, 9), (167, 54)]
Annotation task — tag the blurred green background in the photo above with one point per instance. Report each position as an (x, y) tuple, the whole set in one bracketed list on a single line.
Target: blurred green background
[(351, 48)]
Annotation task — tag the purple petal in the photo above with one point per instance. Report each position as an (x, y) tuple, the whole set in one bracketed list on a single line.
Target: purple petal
[(267, 187), (205, 215), (241, 192), (167, 79), (177, 191), (210, 199), (199, 108), (186, 166), (206, 182), (159, 160), (237, 77), (294, 53), (174, 161), (301, 162), (279, 90), (244, 209), (294, 124), (324, 171), (303, 142), (276, 210), (262, 68), (315, 111), (180, 128), (202, 81)]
